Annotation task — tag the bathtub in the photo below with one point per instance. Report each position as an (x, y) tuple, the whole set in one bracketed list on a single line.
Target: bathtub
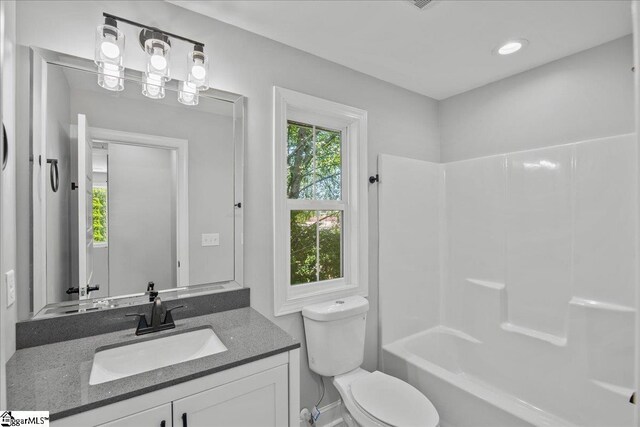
[(473, 384)]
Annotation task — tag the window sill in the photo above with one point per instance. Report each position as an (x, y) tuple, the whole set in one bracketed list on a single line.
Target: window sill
[(295, 304)]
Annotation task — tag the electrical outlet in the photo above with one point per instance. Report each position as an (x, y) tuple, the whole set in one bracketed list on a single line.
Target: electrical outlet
[(10, 280), (211, 239)]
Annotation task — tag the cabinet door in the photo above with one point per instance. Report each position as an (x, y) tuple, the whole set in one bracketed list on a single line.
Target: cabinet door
[(160, 416), (258, 400)]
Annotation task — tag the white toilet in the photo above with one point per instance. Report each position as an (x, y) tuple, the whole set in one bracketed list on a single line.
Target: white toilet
[(335, 333)]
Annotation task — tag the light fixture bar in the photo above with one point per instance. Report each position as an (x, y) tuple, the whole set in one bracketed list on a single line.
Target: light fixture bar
[(148, 27)]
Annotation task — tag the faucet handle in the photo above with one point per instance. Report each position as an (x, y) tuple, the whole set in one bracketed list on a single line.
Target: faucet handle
[(168, 318), (142, 323), (175, 308)]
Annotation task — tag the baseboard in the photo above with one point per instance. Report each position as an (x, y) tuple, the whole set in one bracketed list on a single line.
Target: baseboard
[(330, 416)]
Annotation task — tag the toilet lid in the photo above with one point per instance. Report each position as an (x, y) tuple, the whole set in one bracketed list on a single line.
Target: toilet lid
[(393, 401)]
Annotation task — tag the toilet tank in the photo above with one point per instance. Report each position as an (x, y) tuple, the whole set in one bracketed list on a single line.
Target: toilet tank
[(335, 333)]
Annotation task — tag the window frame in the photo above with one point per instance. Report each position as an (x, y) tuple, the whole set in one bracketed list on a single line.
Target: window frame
[(295, 106)]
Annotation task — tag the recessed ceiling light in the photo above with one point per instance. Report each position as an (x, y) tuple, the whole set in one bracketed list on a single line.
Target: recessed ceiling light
[(512, 46)]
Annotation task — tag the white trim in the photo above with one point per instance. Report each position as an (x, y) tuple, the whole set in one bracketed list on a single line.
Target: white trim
[(635, 13), (330, 416), (291, 105), (181, 147), (239, 131), (38, 194), (294, 386)]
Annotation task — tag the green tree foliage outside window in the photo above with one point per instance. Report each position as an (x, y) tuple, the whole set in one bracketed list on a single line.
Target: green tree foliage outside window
[(99, 214), (314, 168)]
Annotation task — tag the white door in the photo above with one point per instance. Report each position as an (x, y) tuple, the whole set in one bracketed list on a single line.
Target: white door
[(258, 400), (85, 208)]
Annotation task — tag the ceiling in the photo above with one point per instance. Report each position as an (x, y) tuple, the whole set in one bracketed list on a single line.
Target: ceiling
[(439, 51)]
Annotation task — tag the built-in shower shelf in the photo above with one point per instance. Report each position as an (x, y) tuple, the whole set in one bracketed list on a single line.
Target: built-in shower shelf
[(543, 336), (624, 392), (496, 286), (601, 305)]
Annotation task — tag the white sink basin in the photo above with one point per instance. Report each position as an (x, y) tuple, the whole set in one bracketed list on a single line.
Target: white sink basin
[(130, 359)]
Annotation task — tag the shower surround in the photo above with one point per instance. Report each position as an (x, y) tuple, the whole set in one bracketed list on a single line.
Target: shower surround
[(517, 303)]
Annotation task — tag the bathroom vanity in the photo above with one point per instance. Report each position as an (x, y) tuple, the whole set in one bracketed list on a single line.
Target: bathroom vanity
[(256, 376)]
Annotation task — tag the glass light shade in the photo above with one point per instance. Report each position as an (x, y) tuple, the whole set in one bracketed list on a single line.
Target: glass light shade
[(109, 47), (158, 58), (198, 66), (188, 94), (153, 86), (111, 77)]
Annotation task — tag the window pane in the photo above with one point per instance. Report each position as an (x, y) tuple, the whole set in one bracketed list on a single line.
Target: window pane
[(304, 252), (330, 245), (99, 214), (328, 164), (316, 246), (299, 161)]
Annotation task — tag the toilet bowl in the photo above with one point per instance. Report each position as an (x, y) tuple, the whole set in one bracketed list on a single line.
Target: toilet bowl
[(335, 333), (375, 399)]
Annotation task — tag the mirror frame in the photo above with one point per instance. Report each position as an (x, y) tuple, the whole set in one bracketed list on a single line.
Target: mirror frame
[(40, 59)]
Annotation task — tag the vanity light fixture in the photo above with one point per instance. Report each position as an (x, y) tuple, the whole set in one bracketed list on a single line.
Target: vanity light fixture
[(109, 44), (188, 94), (198, 66), (110, 77), (156, 44), (108, 55), (512, 46), (157, 47), (153, 86)]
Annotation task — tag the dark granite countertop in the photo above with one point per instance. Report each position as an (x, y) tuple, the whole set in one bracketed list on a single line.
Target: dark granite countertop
[(55, 377)]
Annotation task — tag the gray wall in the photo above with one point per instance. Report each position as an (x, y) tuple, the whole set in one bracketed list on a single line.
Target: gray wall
[(583, 96), (58, 203), (400, 122), (142, 217)]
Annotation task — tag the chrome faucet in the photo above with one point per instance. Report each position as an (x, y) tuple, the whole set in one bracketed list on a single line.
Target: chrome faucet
[(157, 322)]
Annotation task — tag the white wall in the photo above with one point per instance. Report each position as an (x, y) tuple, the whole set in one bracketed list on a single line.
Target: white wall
[(400, 122), (58, 206), (8, 315), (142, 246), (583, 96)]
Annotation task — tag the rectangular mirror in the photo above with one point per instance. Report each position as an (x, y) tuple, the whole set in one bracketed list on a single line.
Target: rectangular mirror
[(130, 194)]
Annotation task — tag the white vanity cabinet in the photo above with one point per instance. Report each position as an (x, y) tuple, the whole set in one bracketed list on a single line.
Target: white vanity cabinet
[(258, 400), (261, 393)]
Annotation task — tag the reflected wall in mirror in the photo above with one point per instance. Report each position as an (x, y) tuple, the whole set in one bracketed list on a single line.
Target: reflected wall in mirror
[(147, 188)]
